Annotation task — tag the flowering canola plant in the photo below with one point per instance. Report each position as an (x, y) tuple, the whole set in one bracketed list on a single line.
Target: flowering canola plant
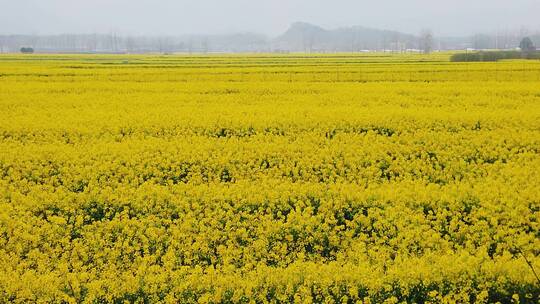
[(345, 178)]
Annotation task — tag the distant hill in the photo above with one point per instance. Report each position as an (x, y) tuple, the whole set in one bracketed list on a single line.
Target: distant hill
[(306, 37)]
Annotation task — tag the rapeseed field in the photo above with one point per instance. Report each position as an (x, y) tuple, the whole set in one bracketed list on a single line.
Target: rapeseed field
[(343, 178)]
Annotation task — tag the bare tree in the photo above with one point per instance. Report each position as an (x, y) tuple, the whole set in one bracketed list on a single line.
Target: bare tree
[(113, 42), (91, 44), (161, 44), (190, 45), (426, 41), (205, 45), (130, 44)]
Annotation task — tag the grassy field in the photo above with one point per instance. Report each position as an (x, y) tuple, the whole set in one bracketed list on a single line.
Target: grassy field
[(338, 178)]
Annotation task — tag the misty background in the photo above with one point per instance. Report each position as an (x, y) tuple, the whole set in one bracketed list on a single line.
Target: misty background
[(263, 26)]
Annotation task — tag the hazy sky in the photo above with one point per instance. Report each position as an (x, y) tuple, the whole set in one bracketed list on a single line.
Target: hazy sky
[(169, 17)]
